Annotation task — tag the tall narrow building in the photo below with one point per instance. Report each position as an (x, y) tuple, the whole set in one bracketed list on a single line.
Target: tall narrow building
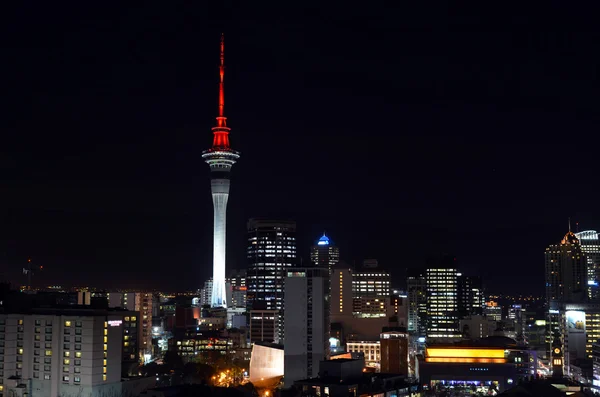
[(442, 300), (325, 253), (220, 157), (271, 252), (416, 282)]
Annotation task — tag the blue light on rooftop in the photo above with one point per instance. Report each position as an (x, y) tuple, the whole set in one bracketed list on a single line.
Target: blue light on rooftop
[(323, 240)]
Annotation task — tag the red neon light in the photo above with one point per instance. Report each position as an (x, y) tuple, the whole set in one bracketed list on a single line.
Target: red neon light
[(221, 131)]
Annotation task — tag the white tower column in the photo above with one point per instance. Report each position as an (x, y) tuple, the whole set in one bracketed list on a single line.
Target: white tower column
[(220, 194)]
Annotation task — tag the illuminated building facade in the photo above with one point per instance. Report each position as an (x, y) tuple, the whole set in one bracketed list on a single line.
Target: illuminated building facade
[(204, 346), (417, 301), (271, 252), (370, 290), (236, 289), (221, 158), (590, 244), (307, 324), (442, 303), (325, 253), (566, 271), (141, 302), (494, 363), (370, 349), (55, 352)]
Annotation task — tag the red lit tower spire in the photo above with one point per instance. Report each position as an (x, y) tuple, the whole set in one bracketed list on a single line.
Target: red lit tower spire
[(221, 131)]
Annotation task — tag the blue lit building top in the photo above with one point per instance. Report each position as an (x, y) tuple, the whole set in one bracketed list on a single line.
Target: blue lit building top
[(323, 240)]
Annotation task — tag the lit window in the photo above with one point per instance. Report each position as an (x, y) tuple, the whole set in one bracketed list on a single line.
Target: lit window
[(103, 377), (67, 323), (78, 354), (48, 352)]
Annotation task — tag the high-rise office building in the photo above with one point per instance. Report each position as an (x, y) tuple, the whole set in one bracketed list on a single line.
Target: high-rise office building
[(590, 244), (566, 271), (442, 303), (271, 252), (416, 281), (470, 295), (306, 322), (221, 158), (325, 253)]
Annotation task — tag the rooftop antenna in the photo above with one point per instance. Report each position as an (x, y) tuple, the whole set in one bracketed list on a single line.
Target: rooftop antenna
[(577, 226), (569, 224)]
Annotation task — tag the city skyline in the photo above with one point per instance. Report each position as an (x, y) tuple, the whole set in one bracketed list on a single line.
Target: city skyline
[(101, 168)]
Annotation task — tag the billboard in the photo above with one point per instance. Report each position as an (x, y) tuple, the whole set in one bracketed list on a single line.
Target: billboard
[(575, 322)]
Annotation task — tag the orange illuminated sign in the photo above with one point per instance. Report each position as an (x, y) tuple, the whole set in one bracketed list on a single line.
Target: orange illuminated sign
[(464, 353), (465, 360)]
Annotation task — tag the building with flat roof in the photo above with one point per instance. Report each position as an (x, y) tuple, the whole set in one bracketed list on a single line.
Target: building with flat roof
[(52, 352)]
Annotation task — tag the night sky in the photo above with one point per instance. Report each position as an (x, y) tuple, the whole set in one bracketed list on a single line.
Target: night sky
[(402, 132)]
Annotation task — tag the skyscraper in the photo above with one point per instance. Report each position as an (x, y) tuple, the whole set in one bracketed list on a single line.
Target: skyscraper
[(590, 244), (566, 274), (220, 157), (271, 252), (325, 253), (442, 302)]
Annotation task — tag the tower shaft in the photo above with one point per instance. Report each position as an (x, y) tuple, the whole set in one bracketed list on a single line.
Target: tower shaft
[(220, 195)]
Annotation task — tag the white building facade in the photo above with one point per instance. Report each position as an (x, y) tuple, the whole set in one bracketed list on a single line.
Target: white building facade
[(307, 326)]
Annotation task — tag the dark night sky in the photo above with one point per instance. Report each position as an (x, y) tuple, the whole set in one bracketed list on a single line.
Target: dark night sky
[(403, 132)]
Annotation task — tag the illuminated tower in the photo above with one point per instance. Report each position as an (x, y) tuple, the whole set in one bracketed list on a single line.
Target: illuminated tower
[(325, 253), (220, 157)]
